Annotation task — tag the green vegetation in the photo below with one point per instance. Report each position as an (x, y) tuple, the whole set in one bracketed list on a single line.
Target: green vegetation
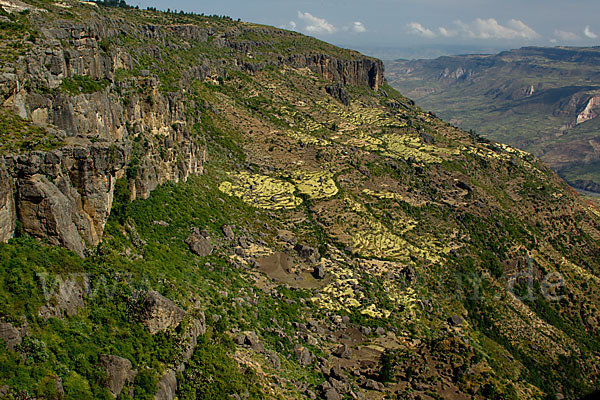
[(212, 373), (109, 325), (83, 84), (18, 134), (371, 225)]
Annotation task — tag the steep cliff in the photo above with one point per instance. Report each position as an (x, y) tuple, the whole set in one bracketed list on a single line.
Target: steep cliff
[(100, 79), (7, 206), (65, 195)]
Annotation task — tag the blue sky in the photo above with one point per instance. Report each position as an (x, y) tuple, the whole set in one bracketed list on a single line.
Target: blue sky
[(418, 23)]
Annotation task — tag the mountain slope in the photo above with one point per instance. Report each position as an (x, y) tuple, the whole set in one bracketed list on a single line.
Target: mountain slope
[(542, 100), (298, 228)]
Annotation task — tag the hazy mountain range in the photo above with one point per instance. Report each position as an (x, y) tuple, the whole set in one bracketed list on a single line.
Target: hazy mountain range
[(542, 100)]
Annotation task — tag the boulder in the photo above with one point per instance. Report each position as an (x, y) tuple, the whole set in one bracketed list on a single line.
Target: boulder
[(253, 341), (199, 245), (160, 313), (456, 320), (286, 237), (329, 392), (343, 352), (196, 327), (308, 253), (228, 231), (118, 372), (274, 360), (10, 335), (332, 394), (365, 330), (319, 272), (373, 385), (167, 386), (250, 339), (336, 372), (339, 386), (304, 356)]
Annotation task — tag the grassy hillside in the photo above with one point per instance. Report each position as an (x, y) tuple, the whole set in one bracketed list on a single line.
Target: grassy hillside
[(368, 249)]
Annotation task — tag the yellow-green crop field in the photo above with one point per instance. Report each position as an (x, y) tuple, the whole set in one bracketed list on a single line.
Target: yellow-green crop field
[(261, 191), (315, 184), (277, 194)]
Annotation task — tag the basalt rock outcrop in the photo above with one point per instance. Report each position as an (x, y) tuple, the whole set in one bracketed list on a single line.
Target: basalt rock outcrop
[(64, 196), (12, 336), (160, 313), (118, 372), (361, 72), (7, 204)]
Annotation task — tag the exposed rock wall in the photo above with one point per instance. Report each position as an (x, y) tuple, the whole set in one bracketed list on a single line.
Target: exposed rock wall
[(362, 72), (7, 204), (590, 111), (63, 196), (121, 127)]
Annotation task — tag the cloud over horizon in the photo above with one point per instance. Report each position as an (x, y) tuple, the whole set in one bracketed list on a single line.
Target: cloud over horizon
[(589, 34), (480, 28), (358, 27), (418, 29), (316, 25), (565, 36)]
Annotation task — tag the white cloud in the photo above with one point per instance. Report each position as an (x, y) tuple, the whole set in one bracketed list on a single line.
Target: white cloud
[(447, 32), (358, 27), (316, 24), (491, 29), (290, 26), (565, 35), (417, 29), (478, 29), (588, 33)]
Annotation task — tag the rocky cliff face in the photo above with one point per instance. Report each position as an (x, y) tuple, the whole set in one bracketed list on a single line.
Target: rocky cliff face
[(63, 196), (363, 72), (7, 206), (83, 82), (590, 111)]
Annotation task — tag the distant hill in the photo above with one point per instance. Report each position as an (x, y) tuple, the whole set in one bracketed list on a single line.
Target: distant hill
[(542, 100)]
